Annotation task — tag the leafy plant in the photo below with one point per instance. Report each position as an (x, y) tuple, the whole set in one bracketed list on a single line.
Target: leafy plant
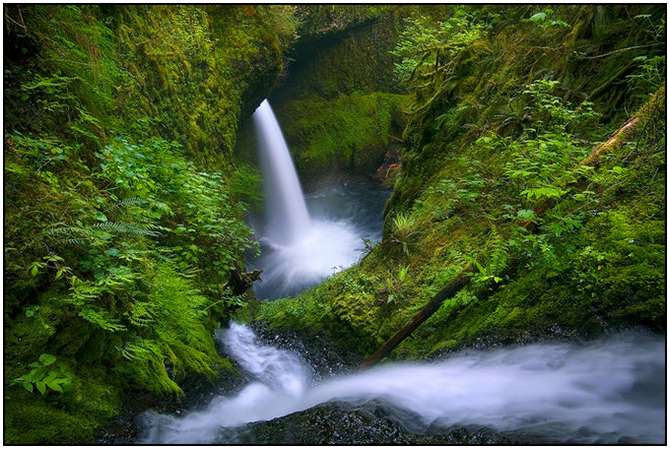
[(649, 76), (168, 330), (396, 286), (404, 230), (546, 156), (545, 19), (46, 375), (422, 41)]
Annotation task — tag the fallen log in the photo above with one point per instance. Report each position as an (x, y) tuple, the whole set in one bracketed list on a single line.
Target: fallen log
[(623, 134)]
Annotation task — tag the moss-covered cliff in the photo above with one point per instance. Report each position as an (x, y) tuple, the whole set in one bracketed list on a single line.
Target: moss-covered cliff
[(339, 105), (124, 214), (507, 102)]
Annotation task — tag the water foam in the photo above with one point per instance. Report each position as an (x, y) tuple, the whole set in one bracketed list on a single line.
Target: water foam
[(297, 250), (324, 249), (600, 392)]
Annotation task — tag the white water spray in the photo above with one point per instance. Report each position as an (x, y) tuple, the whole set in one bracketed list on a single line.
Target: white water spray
[(298, 250), (600, 392)]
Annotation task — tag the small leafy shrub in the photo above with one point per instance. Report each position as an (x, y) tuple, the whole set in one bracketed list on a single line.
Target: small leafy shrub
[(649, 76), (169, 333), (423, 39), (396, 287), (546, 156), (545, 19), (46, 375), (404, 230)]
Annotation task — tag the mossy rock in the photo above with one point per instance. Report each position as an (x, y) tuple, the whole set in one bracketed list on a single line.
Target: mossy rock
[(351, 133), (72, 417)]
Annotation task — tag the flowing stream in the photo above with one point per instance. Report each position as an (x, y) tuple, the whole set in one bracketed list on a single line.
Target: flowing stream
[(600, 392), (608, 391), (301, 247)]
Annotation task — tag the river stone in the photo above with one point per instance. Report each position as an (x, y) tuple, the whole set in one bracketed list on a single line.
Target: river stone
[(339, 423)]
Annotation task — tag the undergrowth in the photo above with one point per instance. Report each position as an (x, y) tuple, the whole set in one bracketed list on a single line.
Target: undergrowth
[(506, 105)]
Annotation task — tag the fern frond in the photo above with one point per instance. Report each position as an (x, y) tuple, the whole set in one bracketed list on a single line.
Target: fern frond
[(101, 319), (128, 228), (126, 202)]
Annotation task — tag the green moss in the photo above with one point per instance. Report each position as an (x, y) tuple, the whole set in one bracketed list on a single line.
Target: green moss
[(70, 419), (33, 422), (497, 124), (355, 61), (319, 21), (339, 105), (120, 240), (350, 132), (196, 83)]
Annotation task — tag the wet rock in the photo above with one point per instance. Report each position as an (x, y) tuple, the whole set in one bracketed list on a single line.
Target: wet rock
[(339, 423), (390, 168), (318, 353)]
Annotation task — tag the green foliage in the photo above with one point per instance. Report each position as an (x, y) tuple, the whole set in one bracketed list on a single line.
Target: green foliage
[(497, 249), (404, 230), (396, 287), (119, 241), (355, 59), (246, 185), (46, 375), (502, 117), (126, 208), (545, 158), (544, 19), (192, 207), (546, 109), (320, 20), (422, 41), (649, 76), (208, 60), (170, 331), (284, 22), (449, 195), (33, 422), (67, 418), (123, 261)]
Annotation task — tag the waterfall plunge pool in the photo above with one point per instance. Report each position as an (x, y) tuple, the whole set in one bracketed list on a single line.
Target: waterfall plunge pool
[(345, 211), (306, 238)]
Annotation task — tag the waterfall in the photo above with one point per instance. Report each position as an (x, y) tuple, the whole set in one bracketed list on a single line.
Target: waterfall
[(297, 251), (600, 392), (287, 216)]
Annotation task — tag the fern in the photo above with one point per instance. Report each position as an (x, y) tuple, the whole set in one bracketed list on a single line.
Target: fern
[(171, 322), (404, 225), (127, 202), (128, 228), (101, 319)]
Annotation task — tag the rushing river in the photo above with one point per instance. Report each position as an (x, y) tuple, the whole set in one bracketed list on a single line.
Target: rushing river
[(607, 391)]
